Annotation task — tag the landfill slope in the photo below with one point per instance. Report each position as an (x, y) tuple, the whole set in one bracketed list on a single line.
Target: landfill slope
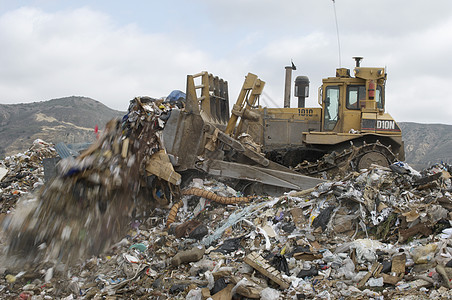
[(69, 120)]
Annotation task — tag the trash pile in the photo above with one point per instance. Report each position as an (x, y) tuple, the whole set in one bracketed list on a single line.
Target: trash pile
[(114, 225), (380, 233), (22, 173)]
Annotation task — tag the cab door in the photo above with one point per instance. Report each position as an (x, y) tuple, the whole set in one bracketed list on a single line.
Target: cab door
[(331, 103)]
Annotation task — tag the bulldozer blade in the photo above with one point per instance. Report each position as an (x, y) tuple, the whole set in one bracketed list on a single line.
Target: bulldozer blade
[(286, 179)]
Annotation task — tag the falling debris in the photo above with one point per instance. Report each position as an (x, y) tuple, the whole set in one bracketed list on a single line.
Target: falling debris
[(86, 206)]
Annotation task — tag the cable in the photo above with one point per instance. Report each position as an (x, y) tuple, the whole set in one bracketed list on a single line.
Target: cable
[(337, 32), (270, 99)]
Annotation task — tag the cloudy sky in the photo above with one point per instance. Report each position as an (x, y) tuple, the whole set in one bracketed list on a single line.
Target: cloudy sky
[(111, 51)]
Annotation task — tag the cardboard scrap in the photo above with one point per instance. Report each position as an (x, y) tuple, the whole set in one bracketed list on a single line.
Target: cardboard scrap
[(301, 193), (307, 256), (269, 230), (249, 290), (125, 148), (297, 216), (211, 145), (389, 279), (411, 215), (398, 264), (224, 294), (160, 166), (376, 268), (405, 234), (315, 245), (445, 174)]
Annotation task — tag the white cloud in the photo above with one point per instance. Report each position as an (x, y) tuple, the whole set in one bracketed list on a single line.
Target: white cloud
[(80, 52), (87, 52)]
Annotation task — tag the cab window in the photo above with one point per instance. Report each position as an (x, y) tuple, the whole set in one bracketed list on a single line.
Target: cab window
[(355, 93), (331, 102), (379, 97)]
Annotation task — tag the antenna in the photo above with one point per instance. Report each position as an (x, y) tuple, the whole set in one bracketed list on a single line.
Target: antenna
[(337, 32)]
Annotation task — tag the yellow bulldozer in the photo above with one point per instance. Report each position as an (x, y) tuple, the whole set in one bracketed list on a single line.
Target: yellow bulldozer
[(350, 125), (276, 146)]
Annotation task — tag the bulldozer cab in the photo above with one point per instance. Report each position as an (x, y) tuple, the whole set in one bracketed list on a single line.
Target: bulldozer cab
[(345, 99), (353, 111)]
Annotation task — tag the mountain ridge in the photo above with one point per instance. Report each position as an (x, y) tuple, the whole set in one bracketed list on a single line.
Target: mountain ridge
[(69, 120)]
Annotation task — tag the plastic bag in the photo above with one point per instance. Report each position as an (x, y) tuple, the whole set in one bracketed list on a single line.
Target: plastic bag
[(308, 273), (366, 249), (280, 264), (219, 284), (323, 218), (210, 280), (348, 269), (269, 294), (229, 245), (195, 294)]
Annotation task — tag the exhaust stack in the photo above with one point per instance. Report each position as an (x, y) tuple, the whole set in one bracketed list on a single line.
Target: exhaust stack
[(288, 83), (358, 60), (302, 90)]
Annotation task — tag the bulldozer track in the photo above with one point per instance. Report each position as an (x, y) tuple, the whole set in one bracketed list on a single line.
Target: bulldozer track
[(350, 158)]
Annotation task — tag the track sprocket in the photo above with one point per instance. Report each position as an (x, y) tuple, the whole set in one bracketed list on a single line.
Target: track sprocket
[(352, 158)]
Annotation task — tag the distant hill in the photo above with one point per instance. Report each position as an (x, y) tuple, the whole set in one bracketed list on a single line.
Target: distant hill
[(426, 144), (69, 120)]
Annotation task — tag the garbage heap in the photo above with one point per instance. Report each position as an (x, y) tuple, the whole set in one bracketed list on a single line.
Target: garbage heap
[(378, 234), (22, 173), (87, 205)]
